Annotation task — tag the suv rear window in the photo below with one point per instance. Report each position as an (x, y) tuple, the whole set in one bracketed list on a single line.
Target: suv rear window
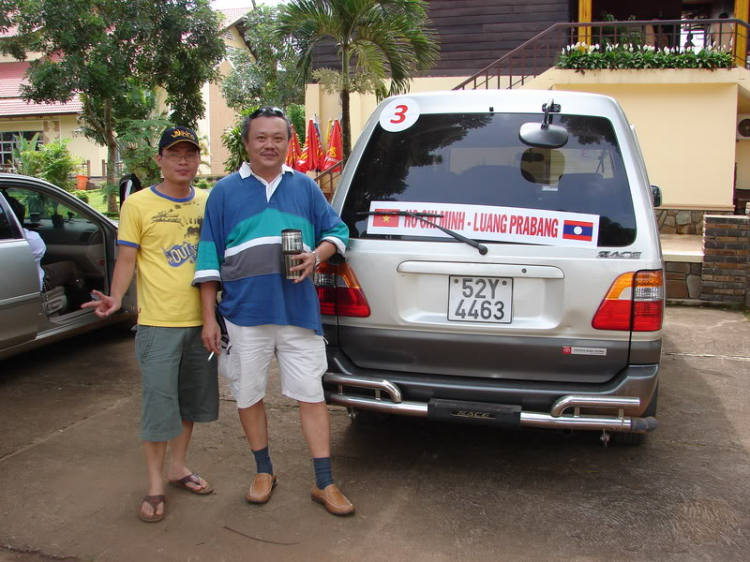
[(478, 159)]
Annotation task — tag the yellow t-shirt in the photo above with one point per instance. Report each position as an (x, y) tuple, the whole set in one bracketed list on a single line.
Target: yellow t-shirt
[(166, 232)]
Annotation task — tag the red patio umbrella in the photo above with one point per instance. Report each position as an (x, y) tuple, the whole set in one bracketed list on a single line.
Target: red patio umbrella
[(335, 146)]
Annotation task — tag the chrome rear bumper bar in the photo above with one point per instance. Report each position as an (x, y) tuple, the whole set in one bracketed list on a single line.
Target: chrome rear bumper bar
[(559, 416)]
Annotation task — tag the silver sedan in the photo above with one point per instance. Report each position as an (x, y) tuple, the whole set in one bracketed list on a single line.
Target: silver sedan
[(54, 249)]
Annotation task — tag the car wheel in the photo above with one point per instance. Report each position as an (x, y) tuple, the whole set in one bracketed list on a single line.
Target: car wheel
[(638, 438), (365, 417)]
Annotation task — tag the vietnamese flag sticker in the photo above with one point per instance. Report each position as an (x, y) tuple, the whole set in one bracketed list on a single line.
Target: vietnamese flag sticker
[(385, 219)]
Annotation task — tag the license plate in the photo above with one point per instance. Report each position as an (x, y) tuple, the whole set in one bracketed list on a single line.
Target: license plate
[(480, 299)]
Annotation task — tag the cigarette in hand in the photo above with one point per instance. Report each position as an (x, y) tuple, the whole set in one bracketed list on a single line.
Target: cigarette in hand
[(211, 356)]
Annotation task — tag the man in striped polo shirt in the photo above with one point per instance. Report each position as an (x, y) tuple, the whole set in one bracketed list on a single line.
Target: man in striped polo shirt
[(265, 313)]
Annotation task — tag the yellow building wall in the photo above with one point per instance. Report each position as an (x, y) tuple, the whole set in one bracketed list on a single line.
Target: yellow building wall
[(328, 106), (81, 146), (56, 127), (743, 163), (233, 39), (219, 117), (685, 121)]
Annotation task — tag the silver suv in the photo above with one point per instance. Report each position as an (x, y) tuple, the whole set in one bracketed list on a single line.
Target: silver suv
[(504, 265)]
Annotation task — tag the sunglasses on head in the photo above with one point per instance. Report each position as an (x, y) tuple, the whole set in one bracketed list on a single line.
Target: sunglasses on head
[(267, 112)]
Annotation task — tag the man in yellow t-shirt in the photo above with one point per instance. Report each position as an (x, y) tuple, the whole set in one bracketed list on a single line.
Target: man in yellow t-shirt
[(159, 232)]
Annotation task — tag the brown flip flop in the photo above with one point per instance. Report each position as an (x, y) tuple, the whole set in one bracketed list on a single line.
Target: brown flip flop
[(182, 484), (154, 502)]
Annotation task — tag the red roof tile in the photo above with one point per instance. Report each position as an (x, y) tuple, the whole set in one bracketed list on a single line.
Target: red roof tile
[(11, 78), (231, 15), (18, 107)]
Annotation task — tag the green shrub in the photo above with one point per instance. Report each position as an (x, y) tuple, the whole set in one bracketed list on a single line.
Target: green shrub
[(82, 196), (296, 114), (56, 164), (582, 57), (26, 156)]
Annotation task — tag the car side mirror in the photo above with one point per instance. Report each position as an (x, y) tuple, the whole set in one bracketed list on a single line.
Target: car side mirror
[(656, 195), (538, 135)]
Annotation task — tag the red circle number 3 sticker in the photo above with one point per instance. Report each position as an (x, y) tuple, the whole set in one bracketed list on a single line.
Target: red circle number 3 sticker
[(399, 115)]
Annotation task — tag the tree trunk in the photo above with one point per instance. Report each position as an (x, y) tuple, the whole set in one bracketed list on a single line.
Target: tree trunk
[(346, 126), (109, 137)]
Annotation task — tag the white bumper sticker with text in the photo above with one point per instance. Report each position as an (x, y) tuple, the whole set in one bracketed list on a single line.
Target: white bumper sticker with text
[(484, 222), (569, 350)]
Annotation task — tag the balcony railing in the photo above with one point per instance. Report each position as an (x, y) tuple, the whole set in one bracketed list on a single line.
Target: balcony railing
[(119, 169), (329, 180), (539, 53)]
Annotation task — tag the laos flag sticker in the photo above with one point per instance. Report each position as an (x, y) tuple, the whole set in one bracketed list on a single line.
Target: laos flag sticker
[(578, 230)]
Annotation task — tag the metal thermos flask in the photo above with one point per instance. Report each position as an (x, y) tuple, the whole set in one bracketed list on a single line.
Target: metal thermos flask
[(291, 244)]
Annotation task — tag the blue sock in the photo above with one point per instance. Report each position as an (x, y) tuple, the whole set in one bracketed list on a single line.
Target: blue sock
[(263, 461), (323, 476)]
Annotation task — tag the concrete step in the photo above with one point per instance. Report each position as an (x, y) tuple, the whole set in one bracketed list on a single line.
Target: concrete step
[(682, 248)]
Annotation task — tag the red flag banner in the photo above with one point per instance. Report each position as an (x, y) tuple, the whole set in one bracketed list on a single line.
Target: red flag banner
[(293, 151), (335, 146), (312, 153), (303, 162)]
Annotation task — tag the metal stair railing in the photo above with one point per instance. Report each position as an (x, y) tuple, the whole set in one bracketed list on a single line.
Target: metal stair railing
[(328, 179), (538, 54)]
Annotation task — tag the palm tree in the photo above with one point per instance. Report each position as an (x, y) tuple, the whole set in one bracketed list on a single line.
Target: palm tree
[(377, 38)]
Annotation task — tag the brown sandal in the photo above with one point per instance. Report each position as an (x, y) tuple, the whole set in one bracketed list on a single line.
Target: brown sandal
[(193, 478), (154, 502)]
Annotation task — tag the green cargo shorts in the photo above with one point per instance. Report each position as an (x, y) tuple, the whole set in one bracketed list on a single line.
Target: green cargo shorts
[(179, 382)]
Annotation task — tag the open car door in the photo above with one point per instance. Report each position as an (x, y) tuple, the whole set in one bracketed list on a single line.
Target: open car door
[(20, 297)]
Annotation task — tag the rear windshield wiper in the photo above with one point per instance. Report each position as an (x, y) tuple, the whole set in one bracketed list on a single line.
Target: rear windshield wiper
[(481, 248)]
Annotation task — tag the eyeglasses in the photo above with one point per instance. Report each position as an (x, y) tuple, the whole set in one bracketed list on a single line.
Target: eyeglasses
[(177, 156), (267, 111)]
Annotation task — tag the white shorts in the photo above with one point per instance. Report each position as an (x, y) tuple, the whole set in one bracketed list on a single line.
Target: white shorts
[(300, 352)]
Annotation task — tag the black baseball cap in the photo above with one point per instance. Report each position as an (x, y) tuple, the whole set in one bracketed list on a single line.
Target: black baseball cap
[(173, 135)]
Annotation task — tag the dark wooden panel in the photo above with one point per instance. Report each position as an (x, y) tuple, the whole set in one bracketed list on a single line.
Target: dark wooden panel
[(516, 35), (488, 5), (442, 24), (522, 30), (475, 33), (481, 12)]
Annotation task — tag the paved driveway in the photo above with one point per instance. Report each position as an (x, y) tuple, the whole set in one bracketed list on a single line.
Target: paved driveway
[(71, 473)]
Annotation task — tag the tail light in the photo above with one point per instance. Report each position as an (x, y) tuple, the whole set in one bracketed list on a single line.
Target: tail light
[(339, 291), (634, 302)]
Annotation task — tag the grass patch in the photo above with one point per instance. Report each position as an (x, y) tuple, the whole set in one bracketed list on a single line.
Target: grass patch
[(97, 199)]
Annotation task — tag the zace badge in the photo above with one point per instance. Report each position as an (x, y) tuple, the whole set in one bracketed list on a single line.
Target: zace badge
[(399, 115)]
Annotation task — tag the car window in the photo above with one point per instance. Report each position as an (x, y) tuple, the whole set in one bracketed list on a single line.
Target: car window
[(43, 210), (478, 159)]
